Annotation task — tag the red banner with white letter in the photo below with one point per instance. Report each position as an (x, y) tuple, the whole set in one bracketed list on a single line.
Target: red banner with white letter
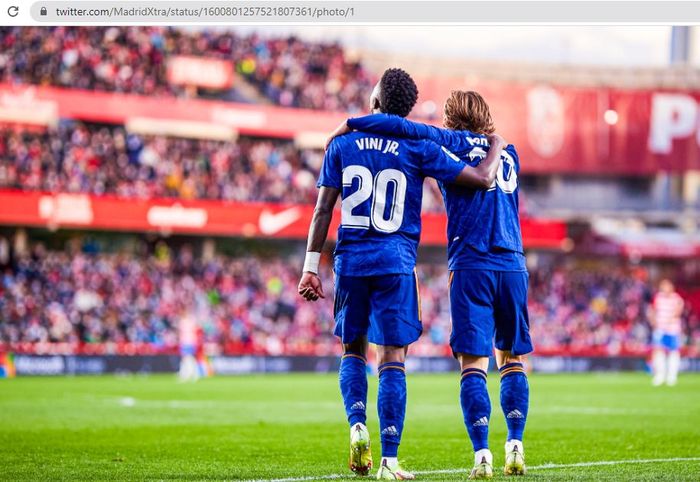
[(556, 129), (214, 218)]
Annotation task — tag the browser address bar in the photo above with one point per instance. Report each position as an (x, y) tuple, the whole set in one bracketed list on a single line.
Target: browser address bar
[(190, 11), (364, 12)]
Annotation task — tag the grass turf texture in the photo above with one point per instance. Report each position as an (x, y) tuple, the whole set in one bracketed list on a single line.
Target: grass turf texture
[(272, 426)]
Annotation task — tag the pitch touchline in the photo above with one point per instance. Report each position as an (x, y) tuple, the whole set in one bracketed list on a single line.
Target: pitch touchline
[(535, 467)]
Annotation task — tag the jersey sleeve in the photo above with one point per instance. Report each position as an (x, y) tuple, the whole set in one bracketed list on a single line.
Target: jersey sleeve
[(332, 170), (441, 164), (388, 125)]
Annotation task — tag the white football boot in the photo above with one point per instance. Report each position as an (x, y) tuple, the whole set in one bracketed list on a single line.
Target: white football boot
[(515, 458), (483, 465), (360, 453)]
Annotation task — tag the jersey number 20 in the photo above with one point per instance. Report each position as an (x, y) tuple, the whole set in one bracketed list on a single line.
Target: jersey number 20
[(376, 188)]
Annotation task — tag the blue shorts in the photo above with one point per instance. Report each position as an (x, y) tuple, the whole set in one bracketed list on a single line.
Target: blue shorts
[(188, 349), (488, 305), (385, 308), (667, 341)]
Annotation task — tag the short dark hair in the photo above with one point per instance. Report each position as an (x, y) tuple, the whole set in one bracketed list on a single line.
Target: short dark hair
[(398, 92)]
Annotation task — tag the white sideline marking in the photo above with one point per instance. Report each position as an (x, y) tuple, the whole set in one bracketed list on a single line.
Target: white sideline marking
[(459, 471), (613, 462)]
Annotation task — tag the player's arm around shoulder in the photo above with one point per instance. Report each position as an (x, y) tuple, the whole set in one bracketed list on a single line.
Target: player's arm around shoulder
[(484, 174), (383, 124), (342, 129), (394, 125)]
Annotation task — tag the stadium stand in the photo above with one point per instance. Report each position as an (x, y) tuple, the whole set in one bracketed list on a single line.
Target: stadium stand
[(268, 150), (286, 71), (84, 301), (93, 159)]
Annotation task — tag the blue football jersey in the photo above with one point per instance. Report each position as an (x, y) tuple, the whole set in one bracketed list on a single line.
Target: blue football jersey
[(381, 183), (483, 226)]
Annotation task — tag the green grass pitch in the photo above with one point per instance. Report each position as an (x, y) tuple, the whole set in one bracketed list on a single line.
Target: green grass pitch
[(292, 426)]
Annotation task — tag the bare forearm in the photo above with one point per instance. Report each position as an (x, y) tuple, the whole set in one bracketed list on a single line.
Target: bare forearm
[(488, 168), (320, 223), (483, 175), (321, 220)]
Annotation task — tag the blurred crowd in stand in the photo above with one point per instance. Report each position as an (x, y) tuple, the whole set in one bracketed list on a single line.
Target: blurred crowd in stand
[(250, 305), (287, 71), (86, 158)]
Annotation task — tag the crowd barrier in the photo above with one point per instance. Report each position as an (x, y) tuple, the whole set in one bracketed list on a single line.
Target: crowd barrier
[(240, 365)]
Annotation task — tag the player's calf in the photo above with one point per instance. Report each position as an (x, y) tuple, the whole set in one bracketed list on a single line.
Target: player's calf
[(658, 363), (515, 400), (674, 363), (476, 410), (391, 407), (353, 387)]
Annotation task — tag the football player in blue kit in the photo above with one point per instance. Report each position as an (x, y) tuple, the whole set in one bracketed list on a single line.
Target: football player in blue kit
[(488, 278), (380, 181)]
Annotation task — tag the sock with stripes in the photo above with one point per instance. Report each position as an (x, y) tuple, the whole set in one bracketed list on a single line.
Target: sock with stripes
[(391, 405), (476, 407), (353, 387), (515, 395)]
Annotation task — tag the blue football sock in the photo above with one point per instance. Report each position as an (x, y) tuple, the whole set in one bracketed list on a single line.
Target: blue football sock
[(476, 406), (515, 395), (391, 405), (353, 387)]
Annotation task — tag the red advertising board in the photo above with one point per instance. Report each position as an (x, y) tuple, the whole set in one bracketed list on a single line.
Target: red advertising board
[(114, 108), (258, 220), (593, 130), (597, 131)]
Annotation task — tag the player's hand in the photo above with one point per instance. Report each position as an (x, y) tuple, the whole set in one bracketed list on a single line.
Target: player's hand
[(496, 141), (310, 287), (339, 131)]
